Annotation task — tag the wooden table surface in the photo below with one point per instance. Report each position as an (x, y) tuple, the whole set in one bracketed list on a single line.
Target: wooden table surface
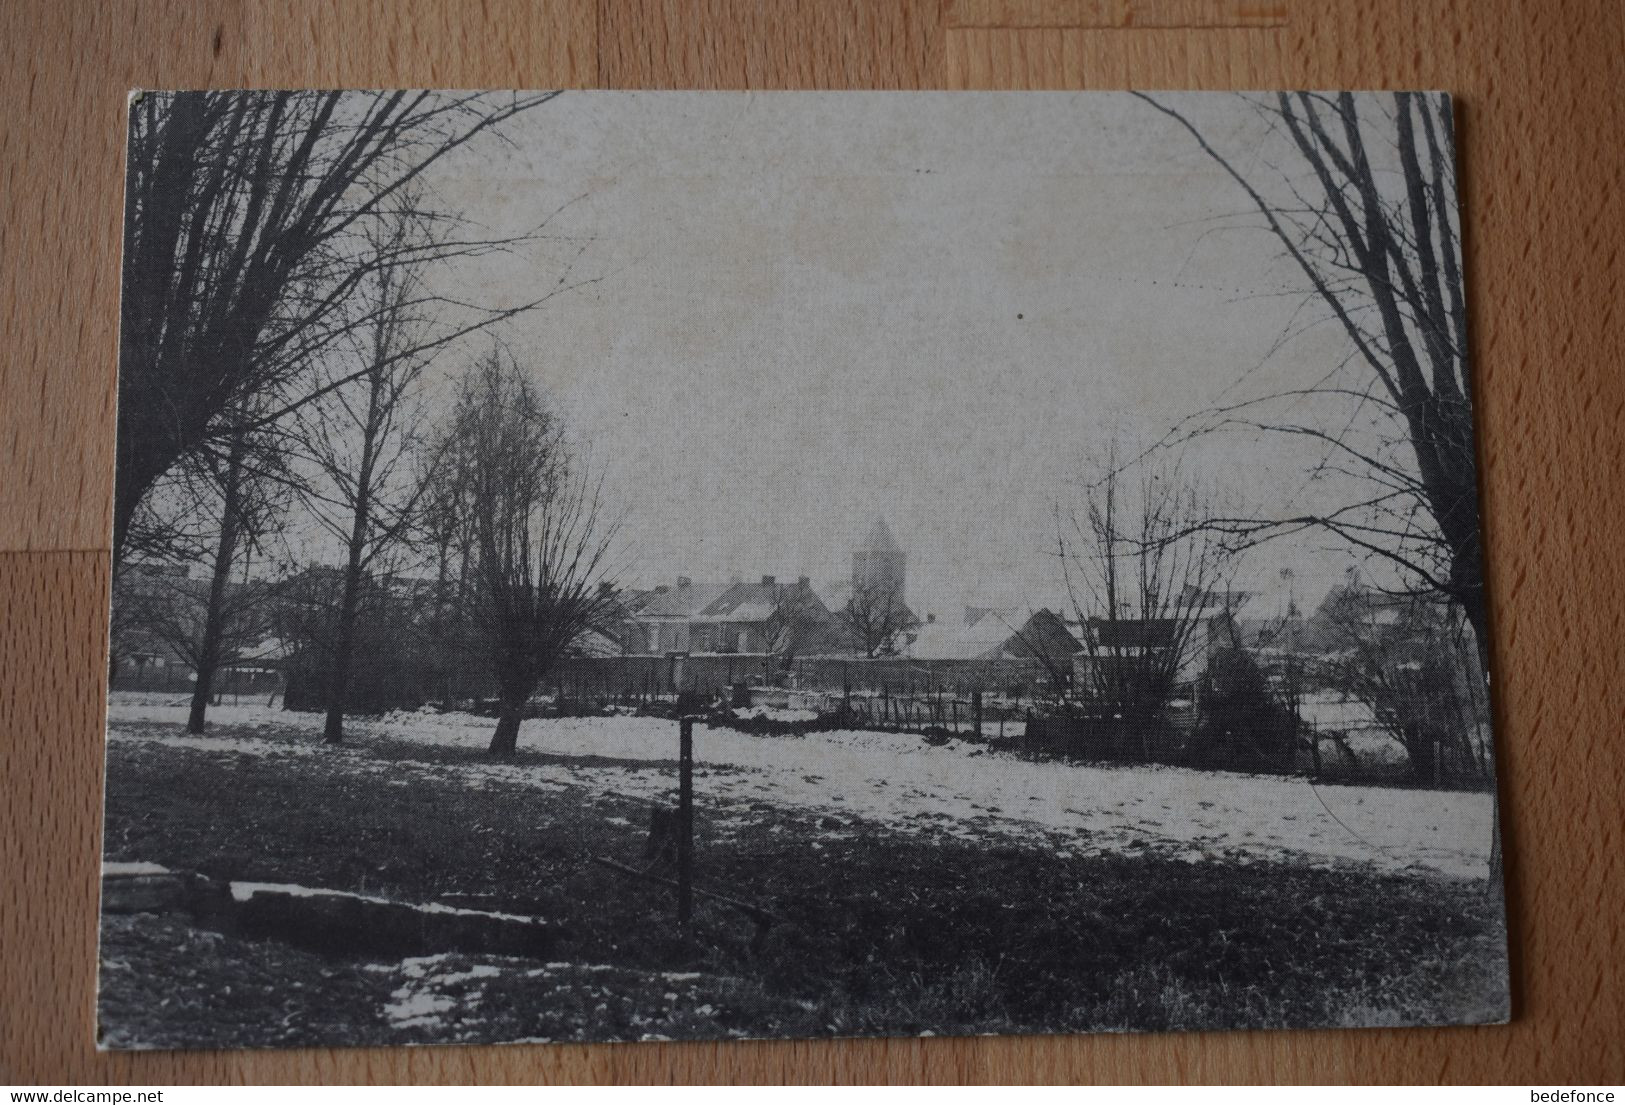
[(1539, 87)]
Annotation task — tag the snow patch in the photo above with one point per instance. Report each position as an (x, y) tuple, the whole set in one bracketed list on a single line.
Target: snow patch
[(242, 891), (412, 1008), (954, 789), (774, 713), (123, 869)]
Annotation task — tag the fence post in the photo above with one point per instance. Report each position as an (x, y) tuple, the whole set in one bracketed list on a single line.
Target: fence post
[(685, 820), (976, 712)]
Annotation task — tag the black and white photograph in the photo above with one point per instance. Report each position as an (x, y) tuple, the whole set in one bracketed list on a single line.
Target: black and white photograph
[(617, 566)]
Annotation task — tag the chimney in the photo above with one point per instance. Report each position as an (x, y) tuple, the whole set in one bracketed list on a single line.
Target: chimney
[(804, 582), (684, 581), (605, 587), (661, 588), (768, 581), (930, 619)]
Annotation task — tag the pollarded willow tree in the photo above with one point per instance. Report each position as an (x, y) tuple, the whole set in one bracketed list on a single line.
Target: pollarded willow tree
[(246, 219), (1146, 580), (1361, 196), (541, 540)]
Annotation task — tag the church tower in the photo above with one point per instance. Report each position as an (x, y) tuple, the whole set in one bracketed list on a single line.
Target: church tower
[(879, 564)]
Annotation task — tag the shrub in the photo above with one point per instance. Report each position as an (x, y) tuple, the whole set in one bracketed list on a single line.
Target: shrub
[(1243, 725)]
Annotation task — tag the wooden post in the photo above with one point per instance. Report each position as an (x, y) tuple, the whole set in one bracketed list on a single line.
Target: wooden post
[(976, 712), (685, 820)]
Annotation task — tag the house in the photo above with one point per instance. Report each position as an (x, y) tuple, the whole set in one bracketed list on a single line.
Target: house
[(1199, 626), (1353, 608), (989, 633), (979, 634), (770, 616), (738, 617), (158, 615), (1047, 637), (661, 620)]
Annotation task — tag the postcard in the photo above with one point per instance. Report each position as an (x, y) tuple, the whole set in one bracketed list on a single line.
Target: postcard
[(614, 566)]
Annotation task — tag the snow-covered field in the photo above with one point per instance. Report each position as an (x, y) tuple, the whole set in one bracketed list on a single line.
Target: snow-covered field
[(860, 779)]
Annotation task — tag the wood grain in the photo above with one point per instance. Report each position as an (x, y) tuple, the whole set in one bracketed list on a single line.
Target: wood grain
[(1538, 89)]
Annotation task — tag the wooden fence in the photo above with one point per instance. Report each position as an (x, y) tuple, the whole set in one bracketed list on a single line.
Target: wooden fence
[(621, 678)]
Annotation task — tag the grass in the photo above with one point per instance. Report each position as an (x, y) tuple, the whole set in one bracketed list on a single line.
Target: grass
[(882, 932)]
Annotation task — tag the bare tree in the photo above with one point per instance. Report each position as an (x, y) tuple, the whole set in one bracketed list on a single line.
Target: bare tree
[(362, 437), (876, 615), (1143, 578), (1375, 229), (302, 616), (446, 526), (245, 513), (1365, 207), (176, 520), (174, 525), (797, 623), (245, 217), (235, 495), (1397, 657), (541, 540)]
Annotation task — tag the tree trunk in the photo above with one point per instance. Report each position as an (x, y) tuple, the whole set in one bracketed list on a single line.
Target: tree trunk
[(1423, 757), (1478, 618), (214, 615), (338, 680), (1473, 607), (338, 683), (515, 684), (505, 741)]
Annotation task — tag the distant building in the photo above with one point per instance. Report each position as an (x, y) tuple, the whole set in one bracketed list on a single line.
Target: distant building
[(733, 618), (989, 633), (879, 564), (157, 631), (741, 617), (1205, 625), (766, 617), (872, 599), (663, 619)]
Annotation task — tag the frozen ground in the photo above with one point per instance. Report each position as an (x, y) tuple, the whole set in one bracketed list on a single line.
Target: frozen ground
[(859, 779)]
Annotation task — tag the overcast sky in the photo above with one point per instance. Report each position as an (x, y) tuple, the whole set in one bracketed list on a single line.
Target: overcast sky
[(808, 310)]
